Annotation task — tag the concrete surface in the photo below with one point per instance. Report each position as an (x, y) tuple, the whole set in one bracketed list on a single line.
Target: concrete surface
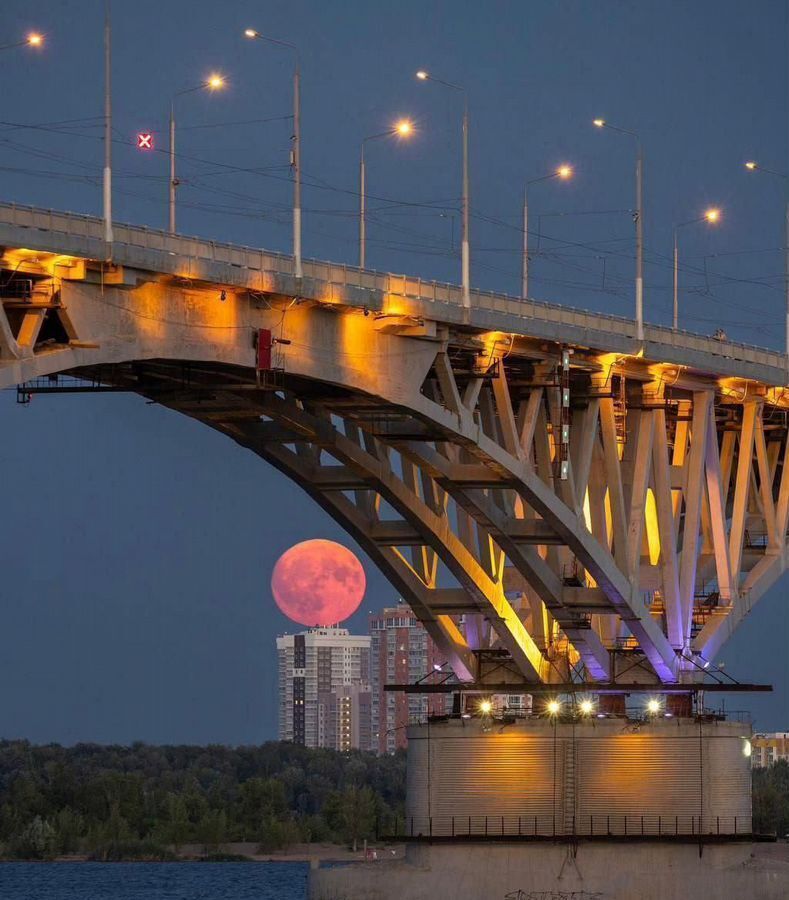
[(595, 871)]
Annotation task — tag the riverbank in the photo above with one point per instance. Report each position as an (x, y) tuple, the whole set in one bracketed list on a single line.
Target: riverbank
[(323, 853), (248, 851)]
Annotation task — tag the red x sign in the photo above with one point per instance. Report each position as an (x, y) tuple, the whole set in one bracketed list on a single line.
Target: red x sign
[(145, 140)]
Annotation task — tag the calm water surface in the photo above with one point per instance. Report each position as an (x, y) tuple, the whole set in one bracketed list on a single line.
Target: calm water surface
[(153, 881)]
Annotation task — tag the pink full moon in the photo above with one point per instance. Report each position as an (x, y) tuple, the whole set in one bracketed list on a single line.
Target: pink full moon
[(318, 583)]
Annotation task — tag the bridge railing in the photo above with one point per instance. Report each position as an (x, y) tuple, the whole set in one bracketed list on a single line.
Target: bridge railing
[(550, 826), (91, 227)]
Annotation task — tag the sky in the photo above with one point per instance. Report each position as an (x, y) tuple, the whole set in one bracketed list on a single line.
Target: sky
[(138, 545)]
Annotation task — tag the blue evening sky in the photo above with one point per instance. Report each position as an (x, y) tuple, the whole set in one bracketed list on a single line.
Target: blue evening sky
[(137, 545)]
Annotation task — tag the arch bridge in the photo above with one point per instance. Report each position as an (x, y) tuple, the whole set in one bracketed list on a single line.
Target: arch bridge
[(558, 502)]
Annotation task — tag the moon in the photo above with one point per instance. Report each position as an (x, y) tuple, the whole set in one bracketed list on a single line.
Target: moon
[(318, 582)]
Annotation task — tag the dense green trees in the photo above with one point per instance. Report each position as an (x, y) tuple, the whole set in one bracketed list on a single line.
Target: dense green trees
[(771, 799), (145, 801)]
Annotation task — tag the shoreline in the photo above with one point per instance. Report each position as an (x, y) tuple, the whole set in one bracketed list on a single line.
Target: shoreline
[(245, 852)]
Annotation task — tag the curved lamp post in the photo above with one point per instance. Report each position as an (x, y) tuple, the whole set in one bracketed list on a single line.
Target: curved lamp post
[(562, 173), (403, 129), (295, 161), (602, 123), (422, 75), (755, 167), (713, 216), (212, 83)]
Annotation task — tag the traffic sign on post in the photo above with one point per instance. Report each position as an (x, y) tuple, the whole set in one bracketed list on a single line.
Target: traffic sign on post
[(145, 140)]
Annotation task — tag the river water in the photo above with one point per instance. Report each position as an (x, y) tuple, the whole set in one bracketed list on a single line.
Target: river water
[(153, 881)]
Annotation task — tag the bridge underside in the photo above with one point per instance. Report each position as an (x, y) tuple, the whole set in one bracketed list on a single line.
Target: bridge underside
[(551, 512)]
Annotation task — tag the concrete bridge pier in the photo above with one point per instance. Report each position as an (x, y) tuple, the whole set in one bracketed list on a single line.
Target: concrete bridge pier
[(606, 808), (561, 871)]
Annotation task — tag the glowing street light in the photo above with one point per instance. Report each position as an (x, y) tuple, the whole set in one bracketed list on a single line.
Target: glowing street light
[(33, 39), (402, 129), (563, 173), (755, 167), (639, 217), (712, 216), (295, 157), (214, 82), (653, 706), (485, 707), (554, 707), (586, 707), (465, 259)]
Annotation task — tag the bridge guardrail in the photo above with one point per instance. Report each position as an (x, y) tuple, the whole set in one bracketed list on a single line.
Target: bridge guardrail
[(91, 227), (549, 826)]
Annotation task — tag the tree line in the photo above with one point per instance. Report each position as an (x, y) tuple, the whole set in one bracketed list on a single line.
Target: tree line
[(771, 799), (146, 802)]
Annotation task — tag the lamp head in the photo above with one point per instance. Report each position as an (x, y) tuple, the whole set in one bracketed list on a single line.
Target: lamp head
[(554, 707), (751, 165), (600, 123), (653, 706), (712, 215), (404, 128), (215, 82), (564, 172), (251, 33), (586, 707), (422, 75), (34, 39), (485, 707)]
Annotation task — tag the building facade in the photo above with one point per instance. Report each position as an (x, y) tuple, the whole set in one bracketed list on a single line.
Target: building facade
[(324, 692), (345, 718), (401, 652), (767, 748)]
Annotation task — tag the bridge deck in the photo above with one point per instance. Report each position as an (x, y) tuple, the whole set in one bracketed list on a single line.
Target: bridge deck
[(238, 266)]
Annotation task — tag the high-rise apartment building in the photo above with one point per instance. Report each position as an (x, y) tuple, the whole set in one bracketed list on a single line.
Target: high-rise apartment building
[(345, 718), (401, 652), (324, 693), (767, 748)]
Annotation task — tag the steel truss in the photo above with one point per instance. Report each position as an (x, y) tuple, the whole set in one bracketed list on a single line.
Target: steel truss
[(564, 509)]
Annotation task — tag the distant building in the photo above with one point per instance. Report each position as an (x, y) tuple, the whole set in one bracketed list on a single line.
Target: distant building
[(345, 718), (768, 748), (324, 688), (401, 652)]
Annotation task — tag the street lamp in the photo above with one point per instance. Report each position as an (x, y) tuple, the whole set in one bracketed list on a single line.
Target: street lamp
[(639, 216), (755, 167), (563, 173), (403, 129), (712, 216), (465, 252), (214, 82), (107, 174), (33, 39), (295, 156)]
